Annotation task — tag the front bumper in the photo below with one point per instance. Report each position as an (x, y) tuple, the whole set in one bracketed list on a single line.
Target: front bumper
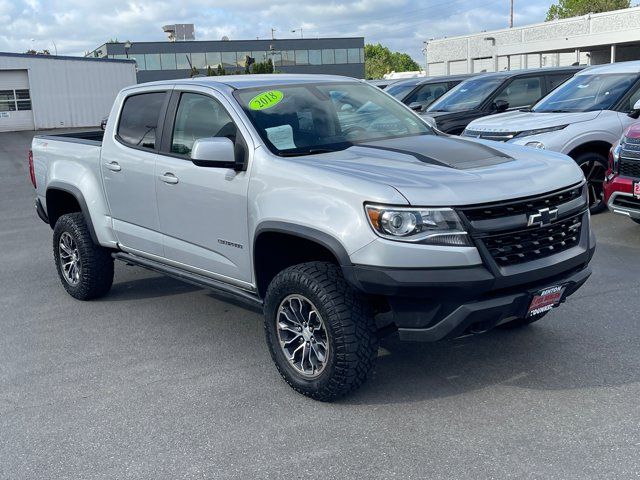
[(619, 197), (434, 304)]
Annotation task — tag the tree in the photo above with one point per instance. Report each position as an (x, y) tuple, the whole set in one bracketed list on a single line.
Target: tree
[(31, 51), (575, 8), (379, 60)]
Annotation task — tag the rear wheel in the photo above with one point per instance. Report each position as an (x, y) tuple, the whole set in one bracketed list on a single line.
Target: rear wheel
[(594, 167), (321, 336), (85, 269)]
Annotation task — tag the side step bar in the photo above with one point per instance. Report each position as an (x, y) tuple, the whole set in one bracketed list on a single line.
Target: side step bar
[(193, 278)]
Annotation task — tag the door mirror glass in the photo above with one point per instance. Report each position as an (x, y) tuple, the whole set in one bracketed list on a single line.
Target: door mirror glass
[(416, 106), (636, 106), (213, 152), (500, 106)]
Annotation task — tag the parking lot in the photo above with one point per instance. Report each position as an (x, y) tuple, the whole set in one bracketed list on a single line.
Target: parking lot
[(160, 379)]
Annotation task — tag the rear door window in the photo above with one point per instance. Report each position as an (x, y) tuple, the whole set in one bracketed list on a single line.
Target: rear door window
[(138, 126), (521, 92), (557, 80)]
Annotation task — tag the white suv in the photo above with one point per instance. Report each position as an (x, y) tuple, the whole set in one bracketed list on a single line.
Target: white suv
[(582, 118)]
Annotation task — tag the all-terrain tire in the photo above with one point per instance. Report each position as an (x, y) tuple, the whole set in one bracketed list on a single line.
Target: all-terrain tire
[(95, 264), (350, 328)]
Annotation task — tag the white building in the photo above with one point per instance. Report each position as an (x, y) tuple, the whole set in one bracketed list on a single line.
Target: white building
[(47, 91), (590, 39)]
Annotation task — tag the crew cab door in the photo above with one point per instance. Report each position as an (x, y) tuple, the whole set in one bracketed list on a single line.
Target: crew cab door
[(128, 160), (202, 210)]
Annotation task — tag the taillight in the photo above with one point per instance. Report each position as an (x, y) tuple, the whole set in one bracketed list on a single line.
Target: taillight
[(32, 172)]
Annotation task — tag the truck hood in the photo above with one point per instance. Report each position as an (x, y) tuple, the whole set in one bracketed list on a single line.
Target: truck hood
[(430, 170), (517, 121)]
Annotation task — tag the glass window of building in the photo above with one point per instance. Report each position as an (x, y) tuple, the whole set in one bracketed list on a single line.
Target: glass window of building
[(353, 55), (152, 61), (315, 57), (259, 56), (168, 61), (288, 57), (341, 55), (182, 61), (328, 56), (139, 61), (276, 58), (242, 57), (118, 57), (362, 55), (228, 59), (198, 60), (23, 100), (302, 57), (213, 59)]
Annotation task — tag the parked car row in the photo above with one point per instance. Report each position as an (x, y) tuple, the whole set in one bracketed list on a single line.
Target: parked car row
[(580, 112)]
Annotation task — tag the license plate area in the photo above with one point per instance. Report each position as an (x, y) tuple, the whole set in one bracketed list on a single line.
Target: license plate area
[(545, 299), (636, 189)]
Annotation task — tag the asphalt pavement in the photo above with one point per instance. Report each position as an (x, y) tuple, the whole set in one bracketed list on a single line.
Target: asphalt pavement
[(161, 379)]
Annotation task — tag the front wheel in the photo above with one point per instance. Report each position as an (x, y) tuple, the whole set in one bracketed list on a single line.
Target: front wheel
[(85, 269), (594, 167), (321, 336)]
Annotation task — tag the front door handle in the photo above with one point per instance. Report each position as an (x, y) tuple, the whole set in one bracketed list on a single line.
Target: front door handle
[(169, 178), (114, 166)]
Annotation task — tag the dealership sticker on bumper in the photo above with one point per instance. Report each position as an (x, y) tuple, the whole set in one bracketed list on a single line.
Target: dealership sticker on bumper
[(545, 300)]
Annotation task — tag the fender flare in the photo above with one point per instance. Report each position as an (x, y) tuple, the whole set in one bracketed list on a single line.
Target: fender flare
[(77, 194), (307, 233)]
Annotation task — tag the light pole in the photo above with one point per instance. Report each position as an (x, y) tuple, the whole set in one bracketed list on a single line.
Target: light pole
[(127, 46), (298, 30)]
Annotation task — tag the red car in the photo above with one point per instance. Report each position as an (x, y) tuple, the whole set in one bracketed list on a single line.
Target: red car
[(622, 182)]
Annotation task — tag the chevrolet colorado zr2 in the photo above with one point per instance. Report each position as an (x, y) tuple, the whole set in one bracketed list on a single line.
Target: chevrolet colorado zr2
[(323, 201)]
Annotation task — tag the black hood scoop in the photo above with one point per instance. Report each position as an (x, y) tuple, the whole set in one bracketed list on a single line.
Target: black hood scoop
[(444, 151)]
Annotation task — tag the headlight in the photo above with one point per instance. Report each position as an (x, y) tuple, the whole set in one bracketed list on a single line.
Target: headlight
[(432, 226), (538, 131)]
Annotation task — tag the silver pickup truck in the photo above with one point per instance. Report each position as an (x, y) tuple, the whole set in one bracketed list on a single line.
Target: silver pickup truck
[(323, 201)]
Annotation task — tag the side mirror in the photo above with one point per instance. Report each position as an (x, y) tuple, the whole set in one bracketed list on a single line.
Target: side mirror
[(500, 106), (416, 106), (635, 112), (214, 152)]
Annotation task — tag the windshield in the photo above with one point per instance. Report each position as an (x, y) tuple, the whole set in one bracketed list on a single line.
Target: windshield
[(584, 93), (467, 95), (400, 91), (320, 117)]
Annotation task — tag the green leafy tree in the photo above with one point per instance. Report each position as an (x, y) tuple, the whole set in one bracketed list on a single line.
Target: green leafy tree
[(194, 72), (211, 72), (379, 60), (575, 8)]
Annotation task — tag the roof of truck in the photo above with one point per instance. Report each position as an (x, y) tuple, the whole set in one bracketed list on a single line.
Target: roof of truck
[(250, 81)]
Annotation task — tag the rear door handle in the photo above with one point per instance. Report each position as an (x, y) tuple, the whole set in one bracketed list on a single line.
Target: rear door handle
[(169, 178), (114, 166)]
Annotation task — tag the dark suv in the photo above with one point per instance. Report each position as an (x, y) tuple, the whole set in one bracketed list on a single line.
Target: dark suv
[(421, 92), (494, 93)]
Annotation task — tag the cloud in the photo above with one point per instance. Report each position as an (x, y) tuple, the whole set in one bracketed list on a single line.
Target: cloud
[(77, 26)]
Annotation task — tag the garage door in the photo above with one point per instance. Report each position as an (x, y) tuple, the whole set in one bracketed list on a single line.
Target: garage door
[(436, 69), (458, 67), (15, 101)]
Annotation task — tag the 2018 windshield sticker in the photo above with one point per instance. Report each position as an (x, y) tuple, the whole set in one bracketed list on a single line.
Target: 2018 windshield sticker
[(266, 100)]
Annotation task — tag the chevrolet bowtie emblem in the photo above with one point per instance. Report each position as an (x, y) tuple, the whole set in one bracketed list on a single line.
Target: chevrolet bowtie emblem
[(544, 217)]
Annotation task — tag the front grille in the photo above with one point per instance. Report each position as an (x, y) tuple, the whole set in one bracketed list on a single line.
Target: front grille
[(527, 245), (495, 136), (522, 206), (629, 168), (626, 202)]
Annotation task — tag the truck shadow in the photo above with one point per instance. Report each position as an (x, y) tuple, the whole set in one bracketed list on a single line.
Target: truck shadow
[(540, 357)]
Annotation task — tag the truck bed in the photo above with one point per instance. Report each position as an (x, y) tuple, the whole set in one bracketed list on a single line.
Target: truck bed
[(93, 137)]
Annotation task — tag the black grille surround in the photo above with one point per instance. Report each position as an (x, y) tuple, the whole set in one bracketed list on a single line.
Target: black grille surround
[(625, 201), (629, 162), (527, 245), (504, 237)]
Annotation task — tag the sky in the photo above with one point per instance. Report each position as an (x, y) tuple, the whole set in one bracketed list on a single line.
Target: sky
[(74, 26)]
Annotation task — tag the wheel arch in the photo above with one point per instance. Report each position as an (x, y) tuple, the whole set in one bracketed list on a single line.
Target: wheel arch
[(278, 245), (63, 198), (600, 147)]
